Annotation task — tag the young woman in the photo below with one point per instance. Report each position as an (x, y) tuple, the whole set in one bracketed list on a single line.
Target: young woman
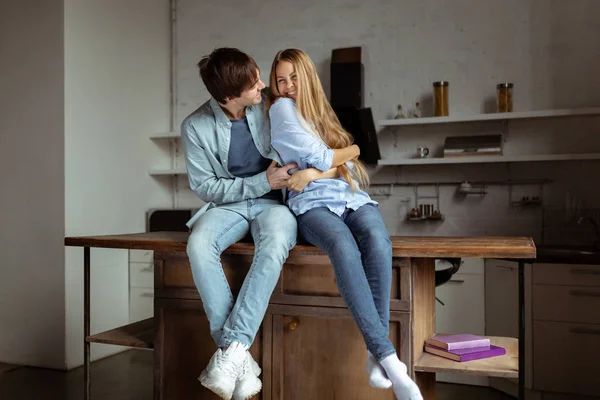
[(335, 214)]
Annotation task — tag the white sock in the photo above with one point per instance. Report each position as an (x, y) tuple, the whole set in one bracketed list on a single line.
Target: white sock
[(377, 377), (404, 387)]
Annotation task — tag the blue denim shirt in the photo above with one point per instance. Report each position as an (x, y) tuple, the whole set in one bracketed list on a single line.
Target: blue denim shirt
[(295, 143), (206, 135)]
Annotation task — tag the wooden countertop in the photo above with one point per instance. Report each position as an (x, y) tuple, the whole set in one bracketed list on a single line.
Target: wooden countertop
[(403, 246)]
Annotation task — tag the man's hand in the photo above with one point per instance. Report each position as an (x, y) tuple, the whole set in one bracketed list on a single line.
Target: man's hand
[(278, 176), (300, 179)]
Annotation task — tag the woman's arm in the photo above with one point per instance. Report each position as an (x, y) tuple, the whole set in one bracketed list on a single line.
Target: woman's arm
[(291, 139), (341, 156), (300, 179)]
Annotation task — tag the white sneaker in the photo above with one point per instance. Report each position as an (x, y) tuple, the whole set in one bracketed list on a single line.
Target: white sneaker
[(255, 366), (223, 370), (247, 384)]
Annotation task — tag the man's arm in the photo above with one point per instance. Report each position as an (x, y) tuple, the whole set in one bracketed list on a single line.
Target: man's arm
[(209, 187)]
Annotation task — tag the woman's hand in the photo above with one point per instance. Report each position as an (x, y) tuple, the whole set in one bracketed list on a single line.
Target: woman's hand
[(300, 179)]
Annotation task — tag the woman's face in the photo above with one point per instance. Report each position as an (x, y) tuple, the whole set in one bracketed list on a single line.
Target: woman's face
[(286, 79)]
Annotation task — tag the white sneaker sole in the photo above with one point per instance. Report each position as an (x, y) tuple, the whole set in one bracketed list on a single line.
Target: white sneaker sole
[(247, 390), (222, 387)]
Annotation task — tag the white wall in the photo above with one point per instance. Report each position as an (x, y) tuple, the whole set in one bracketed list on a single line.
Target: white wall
[(83, 86), (116, 96), (547, 48), (32, 185)]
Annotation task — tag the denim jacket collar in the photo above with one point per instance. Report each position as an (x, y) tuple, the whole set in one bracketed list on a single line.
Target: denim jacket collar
[(257, 122), (220, 116)]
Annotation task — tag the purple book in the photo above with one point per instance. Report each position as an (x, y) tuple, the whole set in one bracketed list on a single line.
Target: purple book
[(462, 355), (460, 341)]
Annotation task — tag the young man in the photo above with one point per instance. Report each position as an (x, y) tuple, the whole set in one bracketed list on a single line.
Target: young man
[(229, 162)]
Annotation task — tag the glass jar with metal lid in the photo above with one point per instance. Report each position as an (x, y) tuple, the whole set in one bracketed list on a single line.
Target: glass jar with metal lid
[(440, 97), (505, 97)]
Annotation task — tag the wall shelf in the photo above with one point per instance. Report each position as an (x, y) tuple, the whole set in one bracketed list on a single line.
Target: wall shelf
[(506, 366), (139, 335), (488, 159), (165, 135), (491, 117), (172, 171)]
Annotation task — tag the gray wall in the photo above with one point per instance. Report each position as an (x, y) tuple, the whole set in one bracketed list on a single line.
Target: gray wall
[(32, 215), (547, 48)]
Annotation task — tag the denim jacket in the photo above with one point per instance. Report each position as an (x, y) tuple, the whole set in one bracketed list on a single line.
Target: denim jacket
[(205, 135)]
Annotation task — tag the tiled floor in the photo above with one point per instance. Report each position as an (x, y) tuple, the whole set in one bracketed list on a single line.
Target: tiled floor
[(128, 376)]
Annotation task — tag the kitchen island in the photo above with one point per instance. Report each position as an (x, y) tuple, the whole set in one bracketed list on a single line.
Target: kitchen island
[(308, 345)]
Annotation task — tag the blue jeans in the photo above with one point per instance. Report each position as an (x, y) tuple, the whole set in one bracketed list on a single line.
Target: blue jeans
[(274, 229), (360, 250)]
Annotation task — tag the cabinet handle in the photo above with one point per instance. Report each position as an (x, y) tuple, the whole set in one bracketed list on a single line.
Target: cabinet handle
[(586, 331), (148, 269), (457, 280), (293, 324), (505, 267), (582, 293), (579, 271), (147, 294)]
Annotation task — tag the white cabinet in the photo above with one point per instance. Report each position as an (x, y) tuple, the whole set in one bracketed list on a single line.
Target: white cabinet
[(141, 284), (502, 312), (463, 310), (566, 328)]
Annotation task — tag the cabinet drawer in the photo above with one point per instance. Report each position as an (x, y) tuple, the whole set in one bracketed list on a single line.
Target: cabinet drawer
[(141, 304), (566, 274), (566, 357), (305, 280), (566, 303), (141, 274), (310, 280), (472, 266)]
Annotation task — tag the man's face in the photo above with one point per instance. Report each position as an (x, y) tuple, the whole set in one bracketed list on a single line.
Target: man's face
[(252, 95)]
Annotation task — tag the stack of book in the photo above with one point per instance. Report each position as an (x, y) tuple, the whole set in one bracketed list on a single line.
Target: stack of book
[(462, 347)]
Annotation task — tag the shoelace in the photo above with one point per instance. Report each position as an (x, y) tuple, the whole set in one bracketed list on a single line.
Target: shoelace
[(228, 367), (246, 368)]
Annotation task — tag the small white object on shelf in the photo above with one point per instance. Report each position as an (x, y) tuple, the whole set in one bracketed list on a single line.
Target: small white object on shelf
[(488, 159), (172, 171), (492, 117)]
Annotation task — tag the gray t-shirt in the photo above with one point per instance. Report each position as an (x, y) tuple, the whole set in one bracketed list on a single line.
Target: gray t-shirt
[(244, 159)]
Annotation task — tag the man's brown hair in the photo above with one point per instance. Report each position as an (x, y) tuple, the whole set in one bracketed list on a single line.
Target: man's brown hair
[(227, 72)]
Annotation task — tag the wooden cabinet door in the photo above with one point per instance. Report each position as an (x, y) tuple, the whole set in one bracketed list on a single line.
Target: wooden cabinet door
[(319, 354), (183, 348)]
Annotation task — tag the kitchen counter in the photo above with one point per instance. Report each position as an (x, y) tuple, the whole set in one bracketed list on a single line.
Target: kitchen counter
[(568, 255)]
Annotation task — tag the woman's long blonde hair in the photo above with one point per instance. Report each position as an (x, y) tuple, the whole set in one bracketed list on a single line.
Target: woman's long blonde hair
[(313, 106)]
